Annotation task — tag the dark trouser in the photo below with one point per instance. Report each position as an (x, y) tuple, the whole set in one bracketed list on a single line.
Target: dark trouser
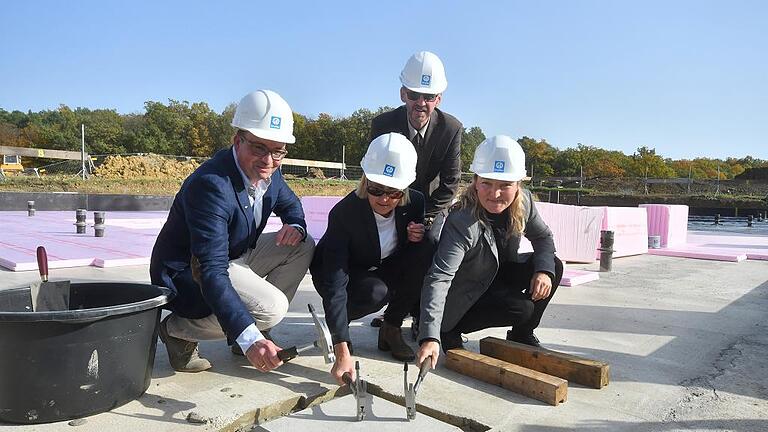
[(396, 281), (505, 303)]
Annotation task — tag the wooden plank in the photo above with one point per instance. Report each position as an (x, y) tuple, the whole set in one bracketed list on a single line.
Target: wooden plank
[(314, 164), (590, 373), (41, 153), (536, 385)]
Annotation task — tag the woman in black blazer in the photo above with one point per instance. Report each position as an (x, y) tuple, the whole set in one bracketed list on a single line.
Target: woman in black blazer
[(372, 253)]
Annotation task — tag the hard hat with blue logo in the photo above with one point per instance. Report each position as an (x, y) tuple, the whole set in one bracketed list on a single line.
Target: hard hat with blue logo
[(267, 115), (424, 73), (499, 158), (390, 161)]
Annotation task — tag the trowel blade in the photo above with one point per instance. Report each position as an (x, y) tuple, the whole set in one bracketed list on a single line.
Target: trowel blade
[(49, 296)]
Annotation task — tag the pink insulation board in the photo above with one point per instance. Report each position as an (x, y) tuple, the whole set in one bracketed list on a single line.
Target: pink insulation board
[(572, 277), (698, 252), (316, 209), (670, 222), (630, 228), (576, 230)]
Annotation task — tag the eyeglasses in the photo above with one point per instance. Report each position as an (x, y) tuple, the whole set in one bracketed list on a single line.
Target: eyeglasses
[(391, 193), (414, 96), (260, 150)]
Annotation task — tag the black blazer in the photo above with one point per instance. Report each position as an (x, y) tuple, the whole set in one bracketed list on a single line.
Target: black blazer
[(351, 243), (438, 169)]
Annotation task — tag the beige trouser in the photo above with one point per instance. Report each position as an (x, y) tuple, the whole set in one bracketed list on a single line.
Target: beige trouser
[(266, 278)]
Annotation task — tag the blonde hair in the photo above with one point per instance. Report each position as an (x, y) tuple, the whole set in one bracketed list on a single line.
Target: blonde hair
[(516, 225), (362, 192)]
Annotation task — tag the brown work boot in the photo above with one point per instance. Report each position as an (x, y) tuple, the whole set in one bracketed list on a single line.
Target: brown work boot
[(182, 354), (391, 338)]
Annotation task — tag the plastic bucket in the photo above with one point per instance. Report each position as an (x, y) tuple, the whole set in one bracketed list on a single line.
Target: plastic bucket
[(69, 364), (654, 242)]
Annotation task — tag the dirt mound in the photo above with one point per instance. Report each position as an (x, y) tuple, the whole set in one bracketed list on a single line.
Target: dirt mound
[(153, 166)]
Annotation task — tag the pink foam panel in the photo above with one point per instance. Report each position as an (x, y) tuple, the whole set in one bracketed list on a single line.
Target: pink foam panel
[(576, 230), (577, 277), (689, 251), (316, 209), (670, 222), (630, 230)]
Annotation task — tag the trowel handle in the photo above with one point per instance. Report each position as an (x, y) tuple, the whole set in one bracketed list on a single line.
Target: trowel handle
[(288, 354), (426, 365), (42, 263), (347, 378)]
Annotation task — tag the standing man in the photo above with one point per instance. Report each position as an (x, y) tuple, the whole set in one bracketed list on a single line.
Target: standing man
[(230, 280), (435, 134)]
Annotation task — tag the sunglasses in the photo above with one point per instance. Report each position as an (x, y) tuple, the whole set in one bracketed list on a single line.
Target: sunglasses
[(414, 96), (391, 193), (259, 150)]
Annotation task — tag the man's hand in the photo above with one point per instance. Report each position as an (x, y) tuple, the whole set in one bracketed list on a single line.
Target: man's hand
[(288, 236), (263, 355), (343, 363), (541, 286), (428, 348), (415, 232)]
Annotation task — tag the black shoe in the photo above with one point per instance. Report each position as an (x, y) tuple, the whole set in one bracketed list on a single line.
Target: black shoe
[(525, 338), (236, 350), (377, 321), (451, 340)]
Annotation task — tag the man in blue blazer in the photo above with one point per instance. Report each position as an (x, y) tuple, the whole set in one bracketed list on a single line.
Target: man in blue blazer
[(230, 280)]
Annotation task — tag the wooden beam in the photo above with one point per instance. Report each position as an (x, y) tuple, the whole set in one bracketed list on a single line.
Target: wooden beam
[(536, 385), (310, 163), (591, 373), (41, 153)]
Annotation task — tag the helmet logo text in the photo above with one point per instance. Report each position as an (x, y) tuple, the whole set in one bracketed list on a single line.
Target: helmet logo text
[(275, 122), (389, 170), (498, 166), (426, 80)]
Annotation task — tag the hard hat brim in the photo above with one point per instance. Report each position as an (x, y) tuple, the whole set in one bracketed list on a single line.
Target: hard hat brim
[(389, 181), (270, 135), (425, 90), (502, 176)]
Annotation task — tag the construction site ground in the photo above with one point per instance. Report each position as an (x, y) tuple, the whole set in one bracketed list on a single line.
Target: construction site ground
[(686, 341)]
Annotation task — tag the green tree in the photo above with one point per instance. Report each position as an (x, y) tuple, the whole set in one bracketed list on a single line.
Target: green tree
[(470, 139)]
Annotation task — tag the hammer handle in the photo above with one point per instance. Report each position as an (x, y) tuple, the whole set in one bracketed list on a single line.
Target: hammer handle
[(287, 354), (42, 263)]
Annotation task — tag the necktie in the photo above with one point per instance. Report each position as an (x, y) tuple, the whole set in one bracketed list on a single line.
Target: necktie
[(417, 141), (252, 191)]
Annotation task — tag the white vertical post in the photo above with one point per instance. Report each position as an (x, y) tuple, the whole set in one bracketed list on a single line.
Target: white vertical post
[(343, 162), (82, 149)]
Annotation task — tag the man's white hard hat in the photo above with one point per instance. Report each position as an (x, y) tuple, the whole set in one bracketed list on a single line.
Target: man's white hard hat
[(424, 73), (265, 114)]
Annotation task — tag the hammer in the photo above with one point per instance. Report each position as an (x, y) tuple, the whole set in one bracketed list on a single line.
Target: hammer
[(359, 388), (323, 342), (410, 390)]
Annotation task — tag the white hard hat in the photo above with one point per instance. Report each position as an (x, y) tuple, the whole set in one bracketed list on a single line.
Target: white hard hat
[(390, 161), (424, 73), (267, 115), (499, 158)]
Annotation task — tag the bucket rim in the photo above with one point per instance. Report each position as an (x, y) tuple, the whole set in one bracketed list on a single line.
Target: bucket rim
[(75, 316)]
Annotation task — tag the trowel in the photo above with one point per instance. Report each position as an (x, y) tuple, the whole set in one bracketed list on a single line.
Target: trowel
[(48, 296)]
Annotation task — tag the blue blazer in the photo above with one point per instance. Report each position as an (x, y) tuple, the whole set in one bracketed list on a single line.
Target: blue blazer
[(212, 219)]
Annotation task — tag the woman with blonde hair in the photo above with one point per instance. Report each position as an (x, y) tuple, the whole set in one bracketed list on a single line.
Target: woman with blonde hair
[(478, 279), (373, 253)]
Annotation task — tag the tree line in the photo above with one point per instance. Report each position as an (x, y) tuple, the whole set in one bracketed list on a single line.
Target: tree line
[(181, 128)]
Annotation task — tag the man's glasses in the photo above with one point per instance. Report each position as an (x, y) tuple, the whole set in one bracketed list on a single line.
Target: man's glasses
[(391, 193), (414, 96), (260, 150)]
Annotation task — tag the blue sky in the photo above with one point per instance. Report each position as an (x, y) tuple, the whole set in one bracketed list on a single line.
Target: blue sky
[(689, 78)]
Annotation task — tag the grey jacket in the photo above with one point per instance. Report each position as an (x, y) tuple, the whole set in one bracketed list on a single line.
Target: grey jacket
[(466, 263)]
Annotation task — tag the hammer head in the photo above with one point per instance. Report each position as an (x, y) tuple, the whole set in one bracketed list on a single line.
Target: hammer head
[(323, 340)]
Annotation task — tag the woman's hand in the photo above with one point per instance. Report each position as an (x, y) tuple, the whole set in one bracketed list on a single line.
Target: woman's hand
[(415, 232), (428, 348), (343, 363), (541, 286)]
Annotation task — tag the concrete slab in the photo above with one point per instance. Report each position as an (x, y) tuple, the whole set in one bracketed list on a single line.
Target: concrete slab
[(339, 414), (686, 340)]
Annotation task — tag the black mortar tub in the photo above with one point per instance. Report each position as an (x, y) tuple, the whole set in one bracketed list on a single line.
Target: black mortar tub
[(69, 364)]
